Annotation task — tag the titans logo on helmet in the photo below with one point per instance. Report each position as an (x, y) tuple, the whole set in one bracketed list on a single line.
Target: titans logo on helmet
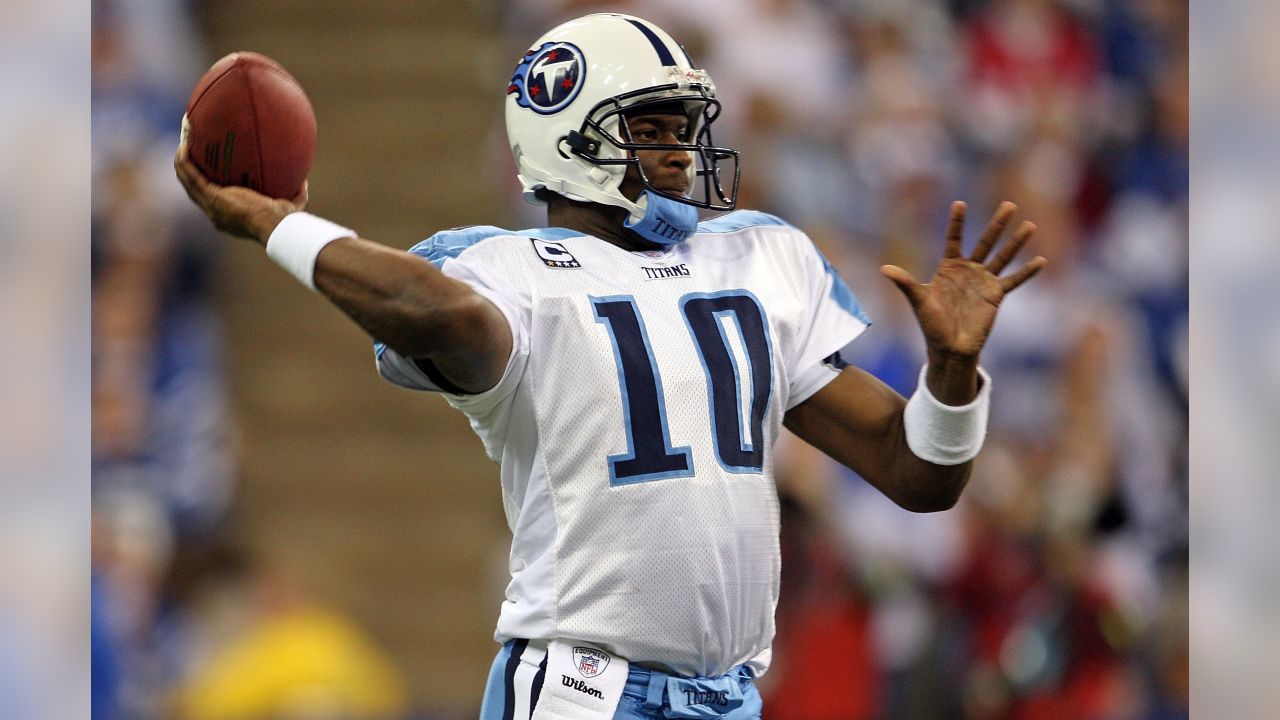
[(548, 77)]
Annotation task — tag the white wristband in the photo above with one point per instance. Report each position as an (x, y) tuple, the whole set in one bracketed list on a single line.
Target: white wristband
[(946, 434), (298, 239)]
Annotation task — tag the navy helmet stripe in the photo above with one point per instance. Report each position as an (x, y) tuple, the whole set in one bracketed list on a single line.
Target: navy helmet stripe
[(664, 55)]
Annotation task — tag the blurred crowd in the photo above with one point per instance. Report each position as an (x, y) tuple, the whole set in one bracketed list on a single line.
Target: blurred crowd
[(1056, 589), (189, 620)]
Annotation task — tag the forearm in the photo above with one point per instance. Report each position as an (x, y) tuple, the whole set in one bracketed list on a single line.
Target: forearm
[(862, 423), (397, 298), (939, 430), (927, 486), (917, 484), (880, 454)]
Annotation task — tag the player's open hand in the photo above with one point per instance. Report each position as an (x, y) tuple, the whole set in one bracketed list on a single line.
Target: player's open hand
[(957, 307), (235, 210)]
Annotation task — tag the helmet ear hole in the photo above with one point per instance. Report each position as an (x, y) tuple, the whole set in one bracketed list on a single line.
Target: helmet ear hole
[(580, 144)]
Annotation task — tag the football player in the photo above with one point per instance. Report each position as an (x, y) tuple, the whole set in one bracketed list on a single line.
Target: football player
[(630, 368)]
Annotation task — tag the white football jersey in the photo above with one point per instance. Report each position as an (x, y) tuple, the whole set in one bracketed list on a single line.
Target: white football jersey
[(635, 426)]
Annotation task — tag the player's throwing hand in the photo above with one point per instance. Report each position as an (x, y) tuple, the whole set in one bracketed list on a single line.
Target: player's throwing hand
[(235, 210)]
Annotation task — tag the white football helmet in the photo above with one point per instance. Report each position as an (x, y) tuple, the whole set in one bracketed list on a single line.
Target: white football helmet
[(566, 100)]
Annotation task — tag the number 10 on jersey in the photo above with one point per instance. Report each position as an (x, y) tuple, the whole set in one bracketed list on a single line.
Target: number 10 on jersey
[(732, 337)]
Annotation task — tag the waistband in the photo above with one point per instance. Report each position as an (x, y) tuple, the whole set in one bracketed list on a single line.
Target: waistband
[(649, 684)]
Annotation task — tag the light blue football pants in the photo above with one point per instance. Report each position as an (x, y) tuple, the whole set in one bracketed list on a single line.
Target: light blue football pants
[(516, 678)]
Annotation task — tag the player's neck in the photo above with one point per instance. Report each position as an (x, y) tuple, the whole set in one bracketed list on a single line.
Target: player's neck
[(602, 221)]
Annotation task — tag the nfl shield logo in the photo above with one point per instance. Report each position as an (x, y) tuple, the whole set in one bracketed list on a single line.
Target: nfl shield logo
[(589, 661)]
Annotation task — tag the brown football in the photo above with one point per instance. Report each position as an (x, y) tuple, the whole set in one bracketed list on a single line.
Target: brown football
[(250, 124)]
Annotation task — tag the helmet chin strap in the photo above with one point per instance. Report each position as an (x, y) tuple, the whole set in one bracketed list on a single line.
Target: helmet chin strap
[(665, 221)]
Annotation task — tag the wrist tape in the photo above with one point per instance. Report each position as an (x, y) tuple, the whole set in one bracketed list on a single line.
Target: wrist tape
[(298, 239), (946, 434)]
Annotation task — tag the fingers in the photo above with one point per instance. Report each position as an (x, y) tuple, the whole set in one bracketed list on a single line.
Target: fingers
[(955, 230), (994, 229), (300, 200), (202, 192), (905, 282), (192, 180), (1025, 273), (186, 170), (1011, 248)]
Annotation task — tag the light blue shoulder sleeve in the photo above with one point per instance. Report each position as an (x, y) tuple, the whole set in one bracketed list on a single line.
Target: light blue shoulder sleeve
[(419, 374)]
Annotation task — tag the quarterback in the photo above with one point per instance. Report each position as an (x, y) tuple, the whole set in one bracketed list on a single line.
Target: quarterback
[(630, 368)]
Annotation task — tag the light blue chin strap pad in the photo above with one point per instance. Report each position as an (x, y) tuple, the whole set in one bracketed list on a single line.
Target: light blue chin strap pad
[(665, 221)]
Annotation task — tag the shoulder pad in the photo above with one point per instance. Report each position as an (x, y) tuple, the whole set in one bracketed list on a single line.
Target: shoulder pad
[(740, 220), (448, 244)]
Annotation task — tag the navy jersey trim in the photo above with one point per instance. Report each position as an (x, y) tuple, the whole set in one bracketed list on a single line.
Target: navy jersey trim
[(433, 374), (836, 360)]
